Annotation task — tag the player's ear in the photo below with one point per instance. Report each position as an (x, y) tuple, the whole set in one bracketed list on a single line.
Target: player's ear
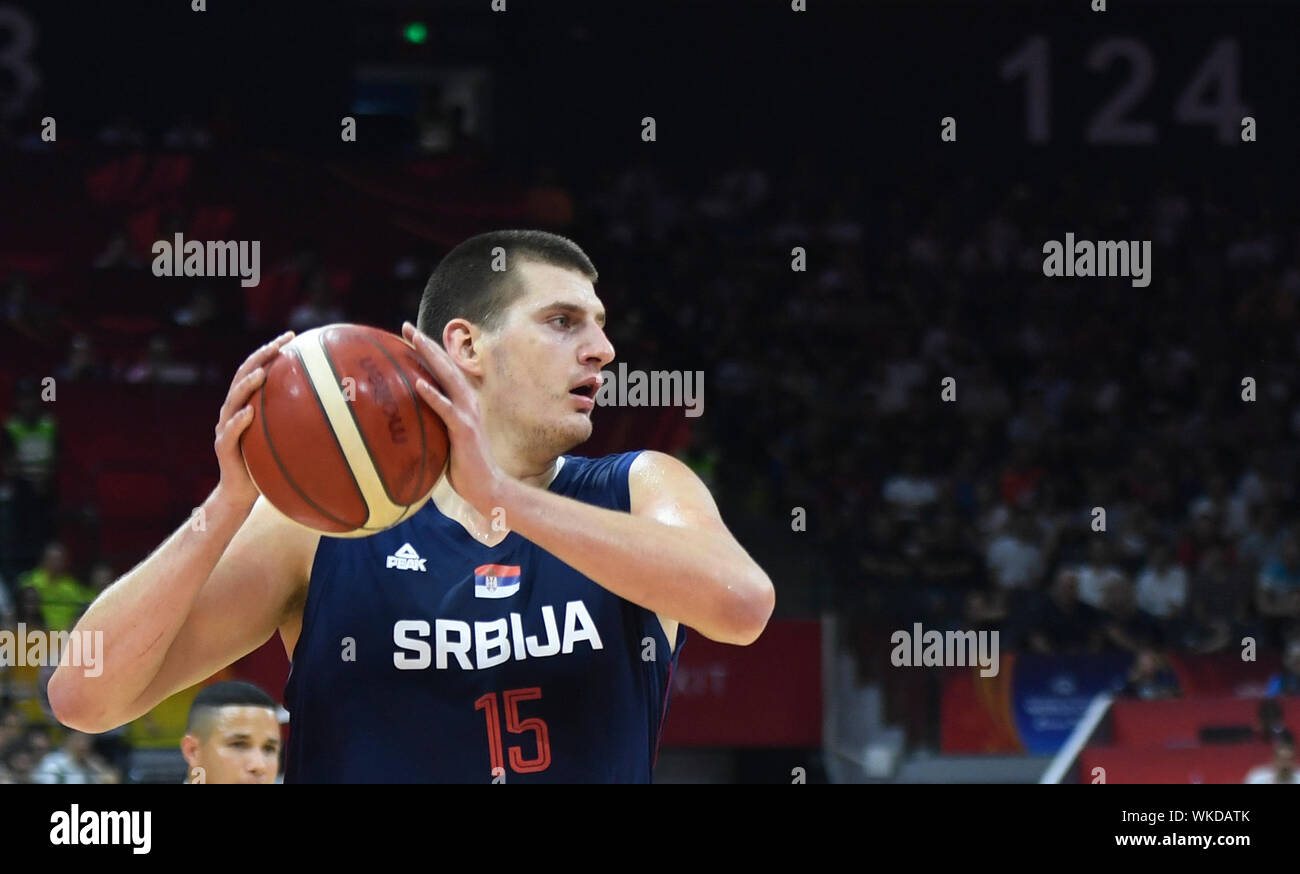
[(190, 750), (462, 340)]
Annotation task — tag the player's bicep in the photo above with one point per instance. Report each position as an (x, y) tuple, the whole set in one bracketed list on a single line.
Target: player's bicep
[(257, 581), (666, 490)]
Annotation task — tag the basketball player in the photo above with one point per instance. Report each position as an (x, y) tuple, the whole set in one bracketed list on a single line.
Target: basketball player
[(450, 648), (232, 735)]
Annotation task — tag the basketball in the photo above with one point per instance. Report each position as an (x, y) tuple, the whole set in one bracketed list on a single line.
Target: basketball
[(340, 442)]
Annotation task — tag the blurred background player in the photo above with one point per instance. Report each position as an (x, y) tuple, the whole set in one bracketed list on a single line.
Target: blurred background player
[(232, 736), (75, 762), (1282, 768)]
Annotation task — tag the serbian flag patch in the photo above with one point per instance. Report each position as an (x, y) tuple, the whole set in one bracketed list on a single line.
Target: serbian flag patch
[(496, 580)]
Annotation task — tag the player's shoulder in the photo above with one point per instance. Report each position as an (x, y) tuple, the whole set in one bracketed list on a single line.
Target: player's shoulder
[(643, 464), (600, 478), (657, 479), (585, 467), (627, 479), (653, 463)]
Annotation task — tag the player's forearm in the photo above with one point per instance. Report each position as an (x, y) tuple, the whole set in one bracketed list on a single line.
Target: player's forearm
[(681, 573), (140, 615)]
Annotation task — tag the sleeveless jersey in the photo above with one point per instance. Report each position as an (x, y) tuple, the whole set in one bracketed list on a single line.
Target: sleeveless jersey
[(427, 657)]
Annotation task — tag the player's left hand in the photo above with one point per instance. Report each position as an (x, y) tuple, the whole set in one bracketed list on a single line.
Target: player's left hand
[(472, 471)]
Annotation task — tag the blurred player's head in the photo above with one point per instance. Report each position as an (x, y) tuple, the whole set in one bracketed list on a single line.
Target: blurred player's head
[(1148, 663), (232, 735), (20, 764), (55, 559), (77, 745), (526, 336)]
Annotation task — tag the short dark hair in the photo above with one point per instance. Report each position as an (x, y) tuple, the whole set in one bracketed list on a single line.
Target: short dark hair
[(228, 693), (464, 285)]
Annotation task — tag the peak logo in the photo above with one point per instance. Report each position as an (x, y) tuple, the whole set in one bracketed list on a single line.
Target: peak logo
[(406, 559)]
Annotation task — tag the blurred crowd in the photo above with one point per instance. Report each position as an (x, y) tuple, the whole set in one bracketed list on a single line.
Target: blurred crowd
[(1110, 469)]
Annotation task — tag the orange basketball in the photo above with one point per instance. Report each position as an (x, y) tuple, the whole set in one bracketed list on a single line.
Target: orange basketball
[(340, 442)]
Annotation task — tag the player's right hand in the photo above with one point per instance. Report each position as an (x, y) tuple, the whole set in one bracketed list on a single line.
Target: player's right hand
[(236, 415)]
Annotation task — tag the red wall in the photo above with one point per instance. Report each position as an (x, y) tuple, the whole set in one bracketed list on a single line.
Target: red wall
[(1178, 722), (1227, 763)]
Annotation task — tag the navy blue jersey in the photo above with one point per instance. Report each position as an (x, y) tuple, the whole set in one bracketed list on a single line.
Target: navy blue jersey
[(427, 657)]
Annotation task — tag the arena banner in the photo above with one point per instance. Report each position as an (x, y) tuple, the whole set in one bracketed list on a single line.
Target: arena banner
[(1034, 702), (1031, 705), (1050, 695)]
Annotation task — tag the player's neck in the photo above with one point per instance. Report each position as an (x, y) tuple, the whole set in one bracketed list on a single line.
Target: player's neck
[(535, 475), (481, 527)]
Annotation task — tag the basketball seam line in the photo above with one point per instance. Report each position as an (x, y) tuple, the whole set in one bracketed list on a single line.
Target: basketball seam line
[(383, 487), (365, 444), (419, 421), (342, 454)]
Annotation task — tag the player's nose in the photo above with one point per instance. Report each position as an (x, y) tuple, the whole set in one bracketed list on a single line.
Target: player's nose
[(258, 766), (598, 348)]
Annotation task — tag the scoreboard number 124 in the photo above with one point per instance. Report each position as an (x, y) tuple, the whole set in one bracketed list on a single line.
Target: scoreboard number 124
[(1210, 96)]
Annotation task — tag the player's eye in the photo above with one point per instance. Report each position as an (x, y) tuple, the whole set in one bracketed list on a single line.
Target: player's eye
[(565, 320)]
